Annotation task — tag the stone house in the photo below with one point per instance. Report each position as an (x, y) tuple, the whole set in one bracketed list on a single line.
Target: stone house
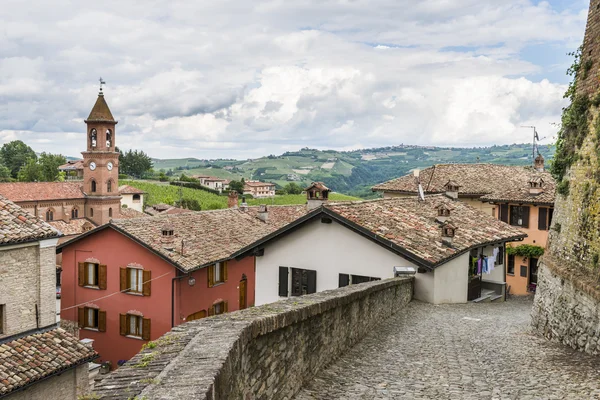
[(339, 244), (161, 271), (520, 196), (38, 360)]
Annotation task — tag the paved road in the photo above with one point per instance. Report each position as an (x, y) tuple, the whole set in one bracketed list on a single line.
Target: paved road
[(471, 351)]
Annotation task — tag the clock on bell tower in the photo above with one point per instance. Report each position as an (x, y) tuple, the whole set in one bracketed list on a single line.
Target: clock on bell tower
[(101, 164)]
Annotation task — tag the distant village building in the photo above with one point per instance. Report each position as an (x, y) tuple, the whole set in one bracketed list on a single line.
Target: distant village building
[(259, 189), (211, 182), (132, 198), (73, 170), (38, 360), (355, 242), (166, 270), (520, 196)]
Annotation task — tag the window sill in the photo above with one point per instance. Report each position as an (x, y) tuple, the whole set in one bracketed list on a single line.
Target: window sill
[(134, 337), (135, 293), (218, 284), (510, 274), (91, 329), (91, 287)]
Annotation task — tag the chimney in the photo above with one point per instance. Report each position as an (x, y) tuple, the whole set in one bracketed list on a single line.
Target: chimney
[(316, 194), (232, 199), (244, 205), (452, 189), (448, 232), (167, 236), (538, 164), (536, 185), (443, 212), (263, 213)]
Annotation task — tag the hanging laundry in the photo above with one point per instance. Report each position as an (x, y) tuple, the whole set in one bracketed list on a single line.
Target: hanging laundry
[(479, 266)]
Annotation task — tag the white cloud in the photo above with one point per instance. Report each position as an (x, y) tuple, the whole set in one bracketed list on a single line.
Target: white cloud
[(241, 79)]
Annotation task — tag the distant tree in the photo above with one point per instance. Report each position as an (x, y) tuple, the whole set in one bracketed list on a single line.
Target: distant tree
[(134, 163), (190, 204), (49, 164), (30, 172), (15, 155), (292, 188), (5, 174), (237, 186)]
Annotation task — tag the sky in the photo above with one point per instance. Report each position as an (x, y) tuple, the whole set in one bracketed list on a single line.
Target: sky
[(244, 79)]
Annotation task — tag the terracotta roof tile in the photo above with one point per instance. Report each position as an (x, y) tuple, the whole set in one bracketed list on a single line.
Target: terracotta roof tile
[(159, 209), (126, 189), (100, 111), (71, 166), (411, 224), (28, 359), (520, 193), (40, 191), (207, 236), (17, 225), (128, 212), (473, 179), (73, 227), (258, 184)]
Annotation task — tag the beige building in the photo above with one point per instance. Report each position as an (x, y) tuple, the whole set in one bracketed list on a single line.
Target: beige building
[(38, 360), (259, 189)]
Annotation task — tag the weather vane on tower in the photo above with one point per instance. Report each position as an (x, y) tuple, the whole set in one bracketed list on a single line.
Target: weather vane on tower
[(101, 83)]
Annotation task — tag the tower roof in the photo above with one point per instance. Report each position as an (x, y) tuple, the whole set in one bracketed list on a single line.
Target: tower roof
[(100, 112)]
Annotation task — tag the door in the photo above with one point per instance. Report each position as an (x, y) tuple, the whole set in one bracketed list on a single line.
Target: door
[(533, 273), (243, 294), (197, 315)]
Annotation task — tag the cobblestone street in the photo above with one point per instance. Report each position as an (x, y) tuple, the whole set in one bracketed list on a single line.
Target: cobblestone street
[(470, 351)]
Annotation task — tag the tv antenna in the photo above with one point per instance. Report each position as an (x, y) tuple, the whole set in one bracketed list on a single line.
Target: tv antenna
[(102, 82), (535, 137)]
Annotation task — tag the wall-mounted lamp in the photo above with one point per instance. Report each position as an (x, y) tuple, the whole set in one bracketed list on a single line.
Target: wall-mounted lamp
[(192, 281)]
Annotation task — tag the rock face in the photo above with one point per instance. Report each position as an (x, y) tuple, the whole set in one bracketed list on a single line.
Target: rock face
[(566, 307)]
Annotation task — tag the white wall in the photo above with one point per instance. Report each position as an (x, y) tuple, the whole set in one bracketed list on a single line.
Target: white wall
[(330, 249), (452, 281), (497, 274), (128, 200)]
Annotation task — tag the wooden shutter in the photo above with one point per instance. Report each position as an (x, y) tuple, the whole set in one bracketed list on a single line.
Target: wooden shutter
[(542, 219), (102, 276), (211, 311), (225, 306), (283, 281), (102, 321), (224, 272), (123, 279), (504, 213), (344, 280), (550, 215), (210, 272), (81, 276), (312, 281), (81, 317), (525, 216), (524, 270), (146, 328), (147, 275), (123, 324)]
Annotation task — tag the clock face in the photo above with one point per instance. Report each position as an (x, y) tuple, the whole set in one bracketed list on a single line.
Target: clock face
[(92, 165), (109, 166)]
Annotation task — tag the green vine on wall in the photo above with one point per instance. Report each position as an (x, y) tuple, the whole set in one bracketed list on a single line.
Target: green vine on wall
[(525, 250)]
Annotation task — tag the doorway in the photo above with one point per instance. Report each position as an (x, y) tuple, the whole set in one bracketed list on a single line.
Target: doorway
[(243, 294), (533, 274)]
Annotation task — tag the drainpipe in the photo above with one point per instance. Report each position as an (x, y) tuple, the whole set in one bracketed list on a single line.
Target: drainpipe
[(173, 297)]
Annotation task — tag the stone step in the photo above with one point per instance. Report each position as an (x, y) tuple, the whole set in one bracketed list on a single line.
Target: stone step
[(483, 299), (497, 298)]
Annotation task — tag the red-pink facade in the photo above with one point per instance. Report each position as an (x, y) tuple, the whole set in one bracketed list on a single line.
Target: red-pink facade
[(116, 251)]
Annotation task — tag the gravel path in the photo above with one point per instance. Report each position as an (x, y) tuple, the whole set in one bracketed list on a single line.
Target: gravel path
[(470, 351)]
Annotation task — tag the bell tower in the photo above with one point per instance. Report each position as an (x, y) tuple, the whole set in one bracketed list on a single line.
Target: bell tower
[(101, 164)]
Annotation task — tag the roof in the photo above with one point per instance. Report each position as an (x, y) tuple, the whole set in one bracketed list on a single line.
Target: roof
[(100, 112), (258, 184), (126, 189), (19, 226), (317, 185), (520, 193), (159, 209), (473, 179), (71, 165), (409, 227), (41, 191), (27, 359), (206, 236), (128, 212), (73, 227)]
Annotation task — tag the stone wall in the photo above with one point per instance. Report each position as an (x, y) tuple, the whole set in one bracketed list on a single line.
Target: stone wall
[(68, 385), (589, 83), (264, 352), (564, 311)]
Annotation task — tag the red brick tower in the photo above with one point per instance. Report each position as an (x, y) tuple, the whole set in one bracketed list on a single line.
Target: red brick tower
[(101, 165)]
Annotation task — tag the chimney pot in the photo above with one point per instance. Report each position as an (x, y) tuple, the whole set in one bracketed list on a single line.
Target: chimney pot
[(232, 199), (538, 163), (263, 213)]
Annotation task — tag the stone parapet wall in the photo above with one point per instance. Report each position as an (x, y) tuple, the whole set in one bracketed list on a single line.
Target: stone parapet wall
[(264, 352), (564, 311)]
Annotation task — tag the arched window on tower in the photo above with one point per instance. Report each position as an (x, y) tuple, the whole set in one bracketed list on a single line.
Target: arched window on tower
[(49, 215), (109, 186), (108, 138), (110, 213), (93, 186), (74, 213), (91, 212), (93, 137)]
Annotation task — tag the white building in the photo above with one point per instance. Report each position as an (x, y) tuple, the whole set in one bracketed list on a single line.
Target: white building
[(132, 197), (338, 244)]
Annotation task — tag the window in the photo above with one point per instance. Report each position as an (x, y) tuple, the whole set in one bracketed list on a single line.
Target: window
[(510, 268), (92, 318), (136, 198), (135, 281), (74, 212), (108, 138), (49, 215), (93, 137), (110, 212), (519, 216), (500, 257), (92, 275), (109, 186), (217, 273), (2, 312), (304, 281), (503, 213), (135, 326), (93, 186), (545, 218), (347, 279), (218, 308), (91, 212)]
